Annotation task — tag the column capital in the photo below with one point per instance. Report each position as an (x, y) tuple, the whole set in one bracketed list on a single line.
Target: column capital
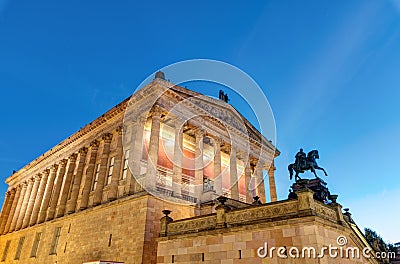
[(253, 161), (141, 119), (94, 144), (45, 172), (266, 166), (24, 184), (30, 180), (83, 150), (259, 166), (8, 193), (38, 177), (63, 163), (73, 157), (218, 140), (232, 148), (107, 137), (261, 161), (54, 167), (156, 111), (241, 154), (271, 167), (120, 130)]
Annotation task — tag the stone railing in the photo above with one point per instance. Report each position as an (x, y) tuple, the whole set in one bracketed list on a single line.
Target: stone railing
[(325, 211), (192, 225), (303, 206), (261, 213)]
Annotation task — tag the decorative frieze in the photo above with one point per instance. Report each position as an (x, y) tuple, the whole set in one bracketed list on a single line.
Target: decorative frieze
[(192, 225), (325, 211), (268, 211)]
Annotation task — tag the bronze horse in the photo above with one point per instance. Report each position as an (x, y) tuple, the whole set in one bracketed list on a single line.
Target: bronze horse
[(309, 163)]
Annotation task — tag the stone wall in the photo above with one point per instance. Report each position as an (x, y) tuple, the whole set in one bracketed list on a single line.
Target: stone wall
[(124, 230), (154, 213), (234, 236), (240, 244)]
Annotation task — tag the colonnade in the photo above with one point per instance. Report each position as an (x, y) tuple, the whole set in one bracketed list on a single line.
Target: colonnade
[(85, 178), (253, 171)]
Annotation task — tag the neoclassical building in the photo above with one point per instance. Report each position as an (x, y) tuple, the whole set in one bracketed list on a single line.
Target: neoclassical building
[(112, 190), (165, 141)]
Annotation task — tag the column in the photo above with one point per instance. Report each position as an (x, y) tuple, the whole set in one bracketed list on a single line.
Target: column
[(66, 186), (94, 146), (56, 190), (13, 208), (31, 201), (39, 197), (98, 192), (135, 156), (47, 193), (25, 204), (133, 128), (113, 192), (18, 208), (247, 182), (217, 166), (233, 173), (71, 204), (178, 155), (198, 162), (6, 209), (260, 189), (151, 174), (271, 180), (253, 166)]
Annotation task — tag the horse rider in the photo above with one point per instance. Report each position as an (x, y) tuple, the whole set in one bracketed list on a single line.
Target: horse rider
[(301, 158)]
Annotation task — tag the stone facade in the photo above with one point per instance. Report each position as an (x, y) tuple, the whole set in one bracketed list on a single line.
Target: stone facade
[(123, 230), (88, 197)]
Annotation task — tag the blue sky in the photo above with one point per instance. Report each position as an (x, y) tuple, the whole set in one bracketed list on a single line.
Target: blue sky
[(330, 70)]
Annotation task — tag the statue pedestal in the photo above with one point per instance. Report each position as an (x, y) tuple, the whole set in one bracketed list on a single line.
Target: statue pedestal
[(318, 186)]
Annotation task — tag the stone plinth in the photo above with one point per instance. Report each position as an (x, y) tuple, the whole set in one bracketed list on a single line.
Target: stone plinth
[(318, 186)]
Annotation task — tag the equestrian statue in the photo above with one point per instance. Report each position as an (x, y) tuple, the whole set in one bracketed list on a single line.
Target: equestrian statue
[(305, 162)]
